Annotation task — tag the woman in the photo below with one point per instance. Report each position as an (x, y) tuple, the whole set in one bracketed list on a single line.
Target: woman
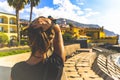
[(42, 32)]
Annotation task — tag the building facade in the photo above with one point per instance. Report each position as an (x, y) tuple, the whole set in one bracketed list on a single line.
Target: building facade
[(92, 35), (8, 25)]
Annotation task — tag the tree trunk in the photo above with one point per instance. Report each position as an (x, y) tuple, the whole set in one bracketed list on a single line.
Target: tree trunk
[(18, 31), (31, 10)]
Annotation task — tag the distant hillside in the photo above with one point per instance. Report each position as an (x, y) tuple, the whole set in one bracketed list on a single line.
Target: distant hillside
[(108, 33), (60, 20)]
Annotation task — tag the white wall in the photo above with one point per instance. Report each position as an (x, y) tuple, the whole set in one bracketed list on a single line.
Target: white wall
[(5, 73)]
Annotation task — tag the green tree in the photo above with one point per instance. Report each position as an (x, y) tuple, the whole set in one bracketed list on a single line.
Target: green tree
[(67, 37), (32, 3), (17, 5)]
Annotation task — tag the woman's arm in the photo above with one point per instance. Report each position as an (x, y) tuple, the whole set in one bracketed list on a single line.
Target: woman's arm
[(58, 42)]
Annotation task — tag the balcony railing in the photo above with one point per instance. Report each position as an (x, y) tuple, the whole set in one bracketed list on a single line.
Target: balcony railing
[(12, 23), (13, 31), (1, 22)]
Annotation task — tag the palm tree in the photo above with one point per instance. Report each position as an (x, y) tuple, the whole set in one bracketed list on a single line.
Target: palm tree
[(18, 5), (32, 3)]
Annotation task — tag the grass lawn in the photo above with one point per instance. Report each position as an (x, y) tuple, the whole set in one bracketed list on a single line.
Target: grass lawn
[(13, 52)]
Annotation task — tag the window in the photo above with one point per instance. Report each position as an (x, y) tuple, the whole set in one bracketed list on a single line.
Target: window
[(11, 30), (12, 21), (1, 20), (1, 29)]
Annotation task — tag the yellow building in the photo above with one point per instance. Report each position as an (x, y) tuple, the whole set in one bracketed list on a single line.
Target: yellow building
[(92, 35), (75, 32), (63, 30), (8, 25), (95, 33)]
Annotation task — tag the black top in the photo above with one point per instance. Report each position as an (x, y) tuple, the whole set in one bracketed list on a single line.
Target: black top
[(50, 70)]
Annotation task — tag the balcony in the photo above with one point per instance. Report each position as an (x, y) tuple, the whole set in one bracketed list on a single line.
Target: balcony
[(3, 31), (3, 20), (13, 31), (12, 21)]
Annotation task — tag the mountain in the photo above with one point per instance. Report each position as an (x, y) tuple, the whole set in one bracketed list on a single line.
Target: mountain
[(61, 20), (109, 33)]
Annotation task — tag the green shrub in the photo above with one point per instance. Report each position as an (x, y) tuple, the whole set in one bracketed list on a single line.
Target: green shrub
[(67, 37), (23, 41), (3, 38)]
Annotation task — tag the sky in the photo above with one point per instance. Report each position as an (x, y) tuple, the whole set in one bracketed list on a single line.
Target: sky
[(102, 12)]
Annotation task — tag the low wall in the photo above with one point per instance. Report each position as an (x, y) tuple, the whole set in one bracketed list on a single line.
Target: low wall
[(69, 49), (5, 73)]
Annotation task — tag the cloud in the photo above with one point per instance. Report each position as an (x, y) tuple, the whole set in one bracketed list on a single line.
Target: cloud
[(107, 16), (111, 21), (88, 9), (80, 2), (90, 13), (4, 7), (65, 10)]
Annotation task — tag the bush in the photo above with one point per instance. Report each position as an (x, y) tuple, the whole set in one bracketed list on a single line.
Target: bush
[(67, 37), (24, 42), (3, 38)]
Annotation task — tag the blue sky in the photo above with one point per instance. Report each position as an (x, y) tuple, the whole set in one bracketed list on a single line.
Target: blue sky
[(102, 12)]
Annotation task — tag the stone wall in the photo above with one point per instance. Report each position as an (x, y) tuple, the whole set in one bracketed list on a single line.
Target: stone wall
[(69, 49)]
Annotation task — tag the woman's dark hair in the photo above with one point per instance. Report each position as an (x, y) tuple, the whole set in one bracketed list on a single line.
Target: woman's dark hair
[(53, 20), (39, 39)]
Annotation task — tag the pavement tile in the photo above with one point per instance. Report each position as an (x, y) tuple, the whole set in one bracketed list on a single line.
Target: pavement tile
[(75, 78), (9, 61)]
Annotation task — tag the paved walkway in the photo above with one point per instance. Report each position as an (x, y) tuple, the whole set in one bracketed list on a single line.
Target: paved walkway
[(9, 61), (79, 66)]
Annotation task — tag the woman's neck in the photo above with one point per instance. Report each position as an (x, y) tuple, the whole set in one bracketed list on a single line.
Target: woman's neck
[(36, 58)]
